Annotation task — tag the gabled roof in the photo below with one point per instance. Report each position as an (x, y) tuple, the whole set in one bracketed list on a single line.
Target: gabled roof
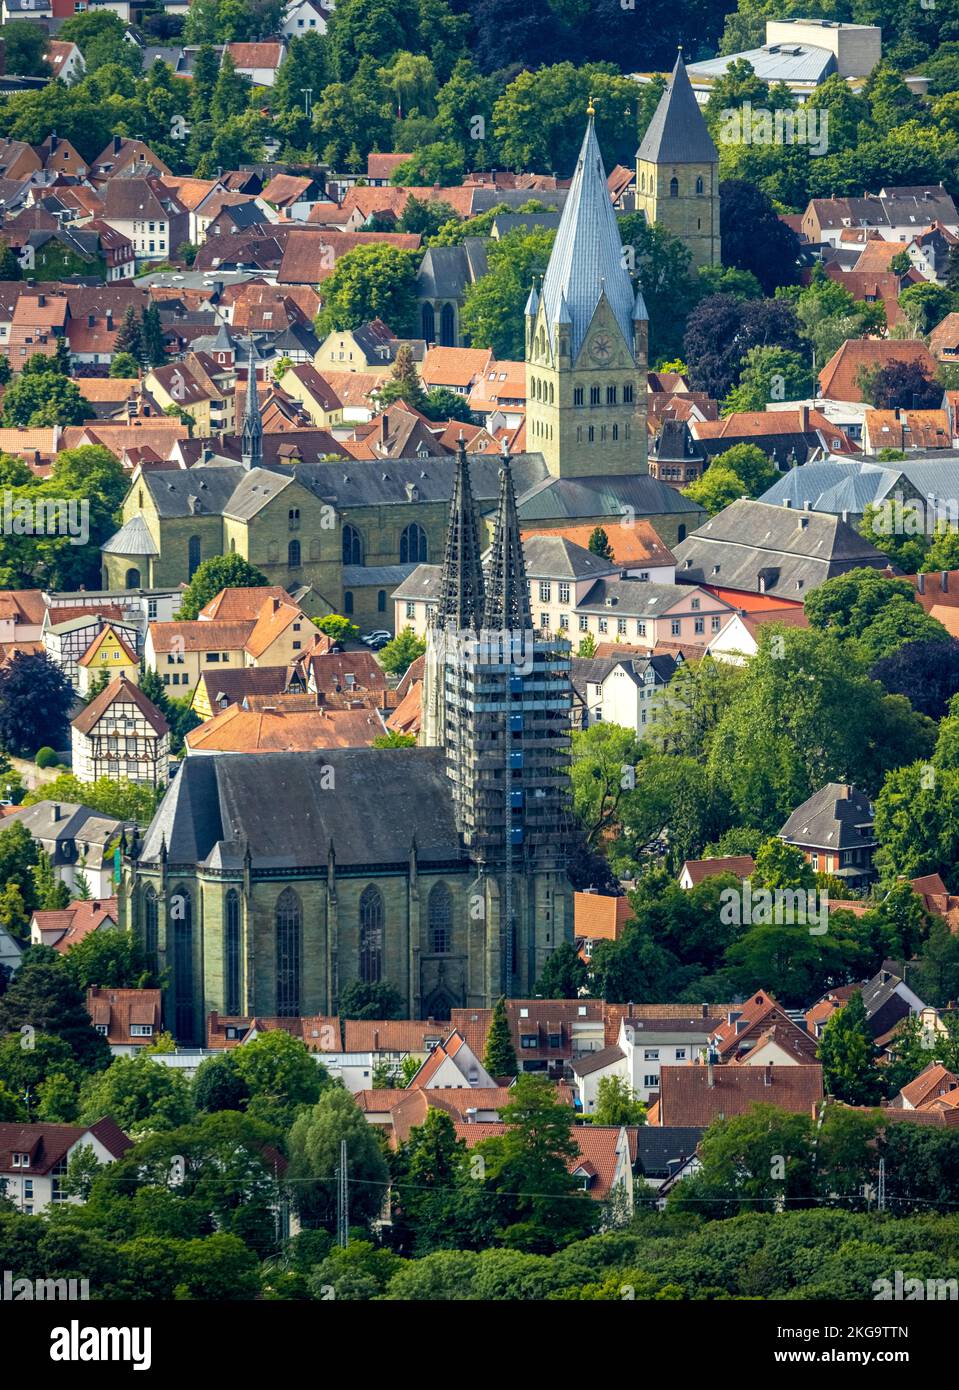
[(120, 691), (742, 865), (933, 1081), (106, 634), (699, 1094), (838, 816), (677, 134), (47, 1144)]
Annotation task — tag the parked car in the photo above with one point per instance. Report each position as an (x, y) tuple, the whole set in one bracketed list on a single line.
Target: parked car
[(378, 643), (379, 633)]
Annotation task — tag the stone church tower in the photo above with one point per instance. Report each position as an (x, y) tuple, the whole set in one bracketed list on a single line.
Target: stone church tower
[(587, 340), (677, 171), (496, 698)]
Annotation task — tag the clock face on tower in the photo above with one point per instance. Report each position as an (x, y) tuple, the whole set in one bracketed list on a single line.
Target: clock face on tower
[(600, 349)]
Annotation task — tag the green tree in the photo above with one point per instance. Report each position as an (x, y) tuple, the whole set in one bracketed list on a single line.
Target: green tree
[(371, 281), (43, 997), (337, 627), (492, 314), (360, 1000), (231, 95), (563, 975), (540, 1206), (404, 649), (314, 1146), (716, 490), (19, 862), (848, 1055), (46, 398), (212, 576), (281, 1076), (428, 1172), (499, 1058), (764, 1158), (617, 1104), (124, 365), (218, 1085), (109, 958), (25, 43), (140, 1094), (599, 544), (769, 374)]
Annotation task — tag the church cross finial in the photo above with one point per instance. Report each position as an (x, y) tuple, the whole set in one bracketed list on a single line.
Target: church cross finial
[(591, 108)]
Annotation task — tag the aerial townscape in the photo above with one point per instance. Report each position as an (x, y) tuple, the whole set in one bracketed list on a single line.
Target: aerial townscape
[(479, 656)]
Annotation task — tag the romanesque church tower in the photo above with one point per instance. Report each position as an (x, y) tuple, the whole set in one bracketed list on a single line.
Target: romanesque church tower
[(677, 171), (587, 340)]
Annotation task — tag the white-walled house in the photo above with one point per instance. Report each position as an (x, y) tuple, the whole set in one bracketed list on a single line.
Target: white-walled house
[(34, 1159), (76, 838), (628, 690), (122, 735), (648, 1044), (305, 17)]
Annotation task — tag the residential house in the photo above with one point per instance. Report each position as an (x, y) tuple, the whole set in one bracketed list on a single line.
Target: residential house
[(66, 62), (107, 656), (452, 1064), (306, 17), (841, 377), (603, 1164), (896, 214), (906, 430), (65, 927), (132, 158), (11, 951), (121, 735), (34, 1159), (454, 369), (763, 549), (260, 62), (742, 1025), (217, 690), (835, 829), (626, 690), (183, 651), (675, 457), (636, 549), (79, 841), (888, 1000), (700, 1094), (738, 639), (547, 1034), (598, 917), (21, 615), (68, 634), (649, 1044), (199, 386), (370, 347), (129, 1019), (696, 871), (145, 211), (274, 727), (312, 390), (933, 1081)]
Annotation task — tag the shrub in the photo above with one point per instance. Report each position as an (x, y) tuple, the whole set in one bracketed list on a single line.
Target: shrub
[(46, 757)]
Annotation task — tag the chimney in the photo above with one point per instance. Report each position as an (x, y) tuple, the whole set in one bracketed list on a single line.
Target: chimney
[(41, 300), (786, 502), (55, 811), (376, 1040), (710, 1075), (95, 906), (705, 1009), (117, 144), (921, 583), (944, 581), (110, 319), (768, 1075), (803, 419)]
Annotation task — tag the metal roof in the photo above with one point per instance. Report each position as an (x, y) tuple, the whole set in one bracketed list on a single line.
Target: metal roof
[(587, 256), (777, 62)]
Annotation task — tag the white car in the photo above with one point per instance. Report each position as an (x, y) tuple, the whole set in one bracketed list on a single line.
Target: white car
[(378, 635)]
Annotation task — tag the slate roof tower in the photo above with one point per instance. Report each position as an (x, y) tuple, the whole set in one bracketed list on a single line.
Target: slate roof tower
[(587, 338), (677, 171)]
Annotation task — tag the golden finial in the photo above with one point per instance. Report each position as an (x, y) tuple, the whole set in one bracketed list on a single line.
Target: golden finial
[(591, 109)]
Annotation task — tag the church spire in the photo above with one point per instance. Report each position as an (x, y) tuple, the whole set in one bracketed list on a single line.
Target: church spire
[(507, 592), (461, 584), (587, 257), (252, 439), (678, 134)]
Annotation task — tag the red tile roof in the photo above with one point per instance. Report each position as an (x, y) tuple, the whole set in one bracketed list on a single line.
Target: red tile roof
[(698, 1094)]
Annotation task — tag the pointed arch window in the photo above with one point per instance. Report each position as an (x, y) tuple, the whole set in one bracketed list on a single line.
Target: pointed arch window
[(448, 326), (288, 927), (151, 931), (231, 953), (699, 184), (352, 546), (429, 324), (413, 545), (674, 187), (293, 555), (181, 922), (440, 917), (194, 555), (371, 935)]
